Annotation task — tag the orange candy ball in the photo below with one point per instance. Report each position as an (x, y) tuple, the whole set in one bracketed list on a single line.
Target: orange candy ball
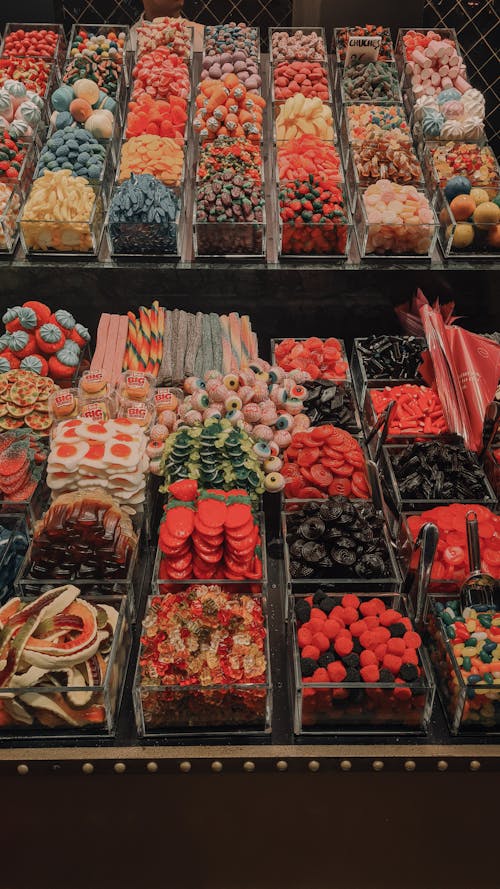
[(80, 110), (462, 207)]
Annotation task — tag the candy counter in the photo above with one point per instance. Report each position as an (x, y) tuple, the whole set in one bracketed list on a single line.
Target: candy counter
[(236, 517)]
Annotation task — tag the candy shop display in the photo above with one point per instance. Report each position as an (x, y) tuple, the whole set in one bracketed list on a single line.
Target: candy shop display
[(160, 74), (319, 358), (22, 461), (417, 409), (432, 470), (42, 342), (374, 82), (308, 78), (216, 454), (245, 67), (158, 156), (369, 122), (465, 650), (451, 563), (337, 538), (387, 158), (43, 43), (173, 33), (299, 158), (231, 38), (33, 74), (158, 117), (360, 33), (386, 357), (84, 535), (399, 220), (110, 454), (20, 112), (300, 116), (60, 214), (456, 164), (225, 108), (13, 545), (330, 402), (23, 400), (358, 662), (13, 151), (212, 671), (83, 105), (298, 44), (74, 150), (142, 217), (98, 57), (58, 635), (209, 534), (324, 461)]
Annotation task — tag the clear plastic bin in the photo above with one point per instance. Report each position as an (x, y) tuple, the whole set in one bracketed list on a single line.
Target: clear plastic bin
[(76, 237), (401, 241), (63, 713), (321, 708), (60, 47), (362, 381), (219, 240), (319, 55), (466, 240)]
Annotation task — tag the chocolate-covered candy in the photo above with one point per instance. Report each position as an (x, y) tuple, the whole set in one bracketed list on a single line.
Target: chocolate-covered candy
[(337, 538), (391, 357), (433, 471), (328, 402)]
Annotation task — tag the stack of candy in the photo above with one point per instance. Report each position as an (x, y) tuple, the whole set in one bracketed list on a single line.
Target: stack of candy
[(41, 341), (159, 156), (58, 634), (452, 562), (314, 218), (22, 458), (33, 74), (111, 342), (324, 462), (308, 78), (205, 647), (230, 190), (337, 538), (144, 342), (59, 213), (329, 402), (351, 644), (342, 35), (231, 38), (433, 63), (98, 57), (42, 43), (473, 635), (304, 116), (83, 105), (74, 150), (82, 535), (390, 357), (430, 470), (158, 117), (226, 107), (306, 155), (417, 410), (111, 454), (207, 535), (20, 110), (298, 45), (245, 67), (387, 158), (143, 217), (316, 357), (218, 453), (160, 74), (399, 219), (24, 396), (172, 33)]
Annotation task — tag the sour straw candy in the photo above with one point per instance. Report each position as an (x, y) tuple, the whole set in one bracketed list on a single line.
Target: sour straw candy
[(110, 346), (144, 347)]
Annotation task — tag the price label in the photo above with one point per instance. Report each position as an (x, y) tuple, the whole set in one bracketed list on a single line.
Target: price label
[(362, 49)]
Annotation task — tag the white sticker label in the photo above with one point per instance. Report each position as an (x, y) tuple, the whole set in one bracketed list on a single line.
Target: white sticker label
[(362, 49)]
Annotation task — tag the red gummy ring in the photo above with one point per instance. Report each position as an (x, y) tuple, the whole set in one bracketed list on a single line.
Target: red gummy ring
[(321, 476)]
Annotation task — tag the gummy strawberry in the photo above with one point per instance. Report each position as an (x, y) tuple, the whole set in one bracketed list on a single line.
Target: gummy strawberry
[(186, 489)]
